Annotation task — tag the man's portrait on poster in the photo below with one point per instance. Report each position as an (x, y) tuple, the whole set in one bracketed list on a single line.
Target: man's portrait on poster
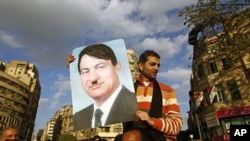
[(102, 86)]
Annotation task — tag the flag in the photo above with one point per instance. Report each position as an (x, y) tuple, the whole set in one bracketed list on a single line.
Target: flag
[(212, 92), (198, 97)]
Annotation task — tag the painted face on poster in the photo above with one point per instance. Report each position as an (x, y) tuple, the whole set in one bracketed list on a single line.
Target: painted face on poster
[(100, 78)]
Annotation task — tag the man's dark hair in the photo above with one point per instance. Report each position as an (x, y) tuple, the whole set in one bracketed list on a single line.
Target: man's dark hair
[(99, 51), (118, 137), (144, 134), (103, 140), (144, 56), (96, 137)]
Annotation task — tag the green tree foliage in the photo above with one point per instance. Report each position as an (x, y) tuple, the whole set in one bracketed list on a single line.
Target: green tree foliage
[(39, 135), (228, 21), (67, 137), (211, 17)]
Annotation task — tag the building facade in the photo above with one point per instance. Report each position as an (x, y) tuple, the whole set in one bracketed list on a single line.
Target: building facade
[(19, 96), (132, 59), (108, 132), (62, 123), (49, 130), (220, 84)]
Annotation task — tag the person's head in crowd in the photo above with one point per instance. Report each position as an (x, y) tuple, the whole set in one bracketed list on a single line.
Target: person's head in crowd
[(135, 134), (10, 133)]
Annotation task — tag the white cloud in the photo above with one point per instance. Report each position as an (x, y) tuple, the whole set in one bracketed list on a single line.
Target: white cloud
[(9, 40), (43, 101), (62, 84), (177, 74), (166, 47), (149, 7), (62, 87), (54, 104), (58, 95), (51, 27), (56, 99), (50, 20)]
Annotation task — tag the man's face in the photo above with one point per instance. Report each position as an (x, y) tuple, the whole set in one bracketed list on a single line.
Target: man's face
[(10, 135), (99, 77), (150, 68)]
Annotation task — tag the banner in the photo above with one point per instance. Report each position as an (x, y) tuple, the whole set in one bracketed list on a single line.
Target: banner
[(101, 85)]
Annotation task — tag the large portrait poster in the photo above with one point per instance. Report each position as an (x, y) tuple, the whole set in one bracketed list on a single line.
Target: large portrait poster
[(101, 85)]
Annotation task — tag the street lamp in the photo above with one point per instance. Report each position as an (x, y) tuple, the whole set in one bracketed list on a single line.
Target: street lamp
[(191, 137), (198, 125)]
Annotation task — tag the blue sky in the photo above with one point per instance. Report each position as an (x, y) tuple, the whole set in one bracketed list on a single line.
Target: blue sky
[(44, 32)]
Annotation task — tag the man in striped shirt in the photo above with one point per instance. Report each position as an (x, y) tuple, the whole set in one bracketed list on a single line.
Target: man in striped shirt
[(158, 115)]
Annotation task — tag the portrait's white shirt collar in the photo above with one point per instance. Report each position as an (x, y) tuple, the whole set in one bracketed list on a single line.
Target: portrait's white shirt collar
[(106, 106)]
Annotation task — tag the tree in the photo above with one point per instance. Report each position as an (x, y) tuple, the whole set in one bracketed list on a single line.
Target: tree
[(39, 135), (211, 17), (229, 22), (67, 137)]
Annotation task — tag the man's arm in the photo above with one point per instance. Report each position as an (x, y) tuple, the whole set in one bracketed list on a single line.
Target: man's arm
[(172, 122)]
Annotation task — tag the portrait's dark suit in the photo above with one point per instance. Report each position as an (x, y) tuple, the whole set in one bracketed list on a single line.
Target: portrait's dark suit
[(123, 109)]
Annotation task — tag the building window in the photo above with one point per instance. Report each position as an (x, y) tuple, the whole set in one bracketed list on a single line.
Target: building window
[(227, 125), (237, 121), (200, 71), (213, 67), (106, 129), (234, 90), (206, 100), (220, 93), (247, 120), (226, 63)]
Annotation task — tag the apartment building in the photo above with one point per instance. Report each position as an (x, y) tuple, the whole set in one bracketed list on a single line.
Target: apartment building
[(220, 84), (133, 60), (19, 96)]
